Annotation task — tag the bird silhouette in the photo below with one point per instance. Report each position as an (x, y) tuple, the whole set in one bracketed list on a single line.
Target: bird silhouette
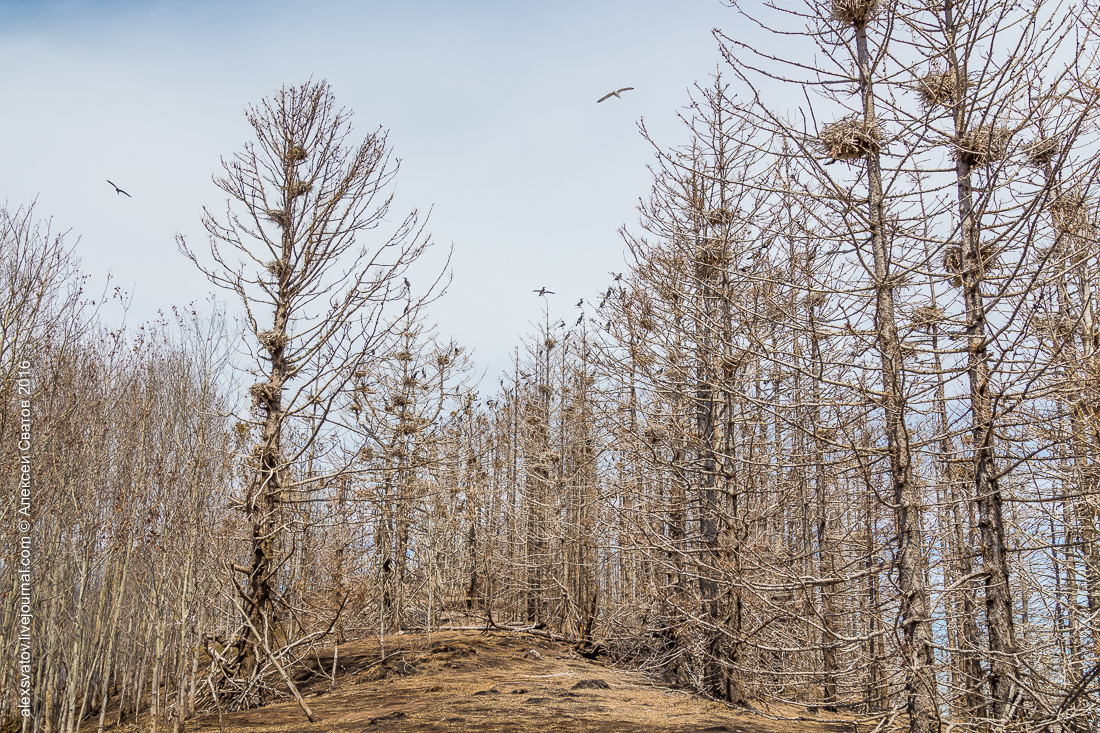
[(119, 190), (615, 93), (580, 302), (579, 321), (543, 291)]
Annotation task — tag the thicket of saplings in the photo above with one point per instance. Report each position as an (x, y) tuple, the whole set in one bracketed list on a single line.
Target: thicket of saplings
[(832, 440)]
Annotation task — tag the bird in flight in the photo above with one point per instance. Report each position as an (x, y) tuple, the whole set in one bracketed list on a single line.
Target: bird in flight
[(543, 291), (615, 93), (119, 190)]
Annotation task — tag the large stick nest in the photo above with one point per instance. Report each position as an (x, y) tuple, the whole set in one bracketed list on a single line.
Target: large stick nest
[(1042, 151), (272, 340), (941, 88), (279, 216), (298, 188), (928, 316), (1070, 214), (981, 145), (853, 12), (953, 261), (851, 138)]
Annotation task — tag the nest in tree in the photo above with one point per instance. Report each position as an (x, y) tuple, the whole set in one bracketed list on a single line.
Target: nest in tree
[(279, 216), (851, 138), (276, 267), (940, 88), (1069, 213), (365, 454), (1060, 325), (544, 390), (263, 393), (927, 316), (409, 381), (982, 145), (712, 254), (718, 217), (1042, 151), (298, 188), (853, 12), (399, 400), (408, 427), (953, 261), (550, 343), (272, 340), (646, 323), (403, 356), (654, 434), (814, 300), (296, 154), (443, 360), (826, 433)]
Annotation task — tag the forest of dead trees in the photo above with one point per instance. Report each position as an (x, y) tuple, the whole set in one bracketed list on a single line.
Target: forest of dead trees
[(833, 439)]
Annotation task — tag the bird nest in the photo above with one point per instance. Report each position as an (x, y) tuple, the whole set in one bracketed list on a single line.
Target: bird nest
[(814, 300), (403, 356), (953, 261), (851, 138), (718, 217), (272, 340), (1059, 325), (296, 154), (263, 393), (276, 267), (711, 253), (1042, 151), (1069, 213), (927, 316), (298, 188), (979, 146), (940, 88), (853, 12), (279, 216)]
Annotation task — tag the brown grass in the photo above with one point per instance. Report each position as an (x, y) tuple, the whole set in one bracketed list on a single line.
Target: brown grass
[(490, 683)]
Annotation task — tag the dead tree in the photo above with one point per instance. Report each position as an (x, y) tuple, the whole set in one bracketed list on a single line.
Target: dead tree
[(290, 249)]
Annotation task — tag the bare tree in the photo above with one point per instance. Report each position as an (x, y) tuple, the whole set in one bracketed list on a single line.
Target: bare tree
[(301, 196)]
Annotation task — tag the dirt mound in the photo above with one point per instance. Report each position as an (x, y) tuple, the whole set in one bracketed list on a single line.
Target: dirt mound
[(490, 683)]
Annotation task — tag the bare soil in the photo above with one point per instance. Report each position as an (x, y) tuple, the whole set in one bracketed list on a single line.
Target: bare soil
[(498, 682)]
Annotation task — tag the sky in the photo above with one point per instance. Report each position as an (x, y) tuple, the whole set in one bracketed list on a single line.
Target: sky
[(490, 106)]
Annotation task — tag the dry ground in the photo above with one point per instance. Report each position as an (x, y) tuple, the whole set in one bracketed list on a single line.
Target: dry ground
[(493, 683)]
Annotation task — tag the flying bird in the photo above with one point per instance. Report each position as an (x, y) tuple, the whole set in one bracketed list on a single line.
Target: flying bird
[(119, 190), (543, 291), (615, 93)]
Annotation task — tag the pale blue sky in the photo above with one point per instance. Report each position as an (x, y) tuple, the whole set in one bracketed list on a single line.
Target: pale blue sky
[(490, 105)]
